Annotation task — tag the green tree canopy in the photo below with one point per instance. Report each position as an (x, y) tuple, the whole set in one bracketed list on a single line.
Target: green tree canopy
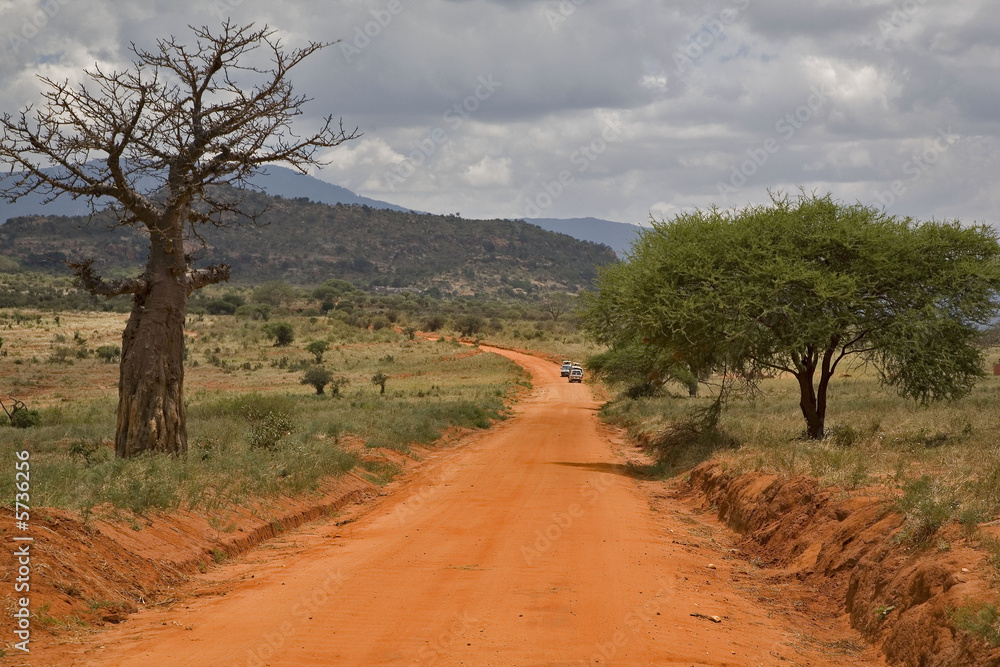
[(318, 377), (799, 285)]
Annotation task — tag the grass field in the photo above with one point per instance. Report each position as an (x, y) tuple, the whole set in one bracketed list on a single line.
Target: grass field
[(943, 459), (254, 429)]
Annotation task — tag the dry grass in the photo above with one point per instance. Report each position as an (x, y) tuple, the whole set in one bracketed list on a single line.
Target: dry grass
[(254, 429), (874, 438)]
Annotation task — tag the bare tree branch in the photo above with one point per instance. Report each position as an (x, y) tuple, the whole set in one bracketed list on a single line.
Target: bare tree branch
[(93, 283), (198, 278)]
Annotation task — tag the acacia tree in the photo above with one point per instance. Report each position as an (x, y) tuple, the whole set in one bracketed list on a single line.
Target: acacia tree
[(802, 284), (161, 141)]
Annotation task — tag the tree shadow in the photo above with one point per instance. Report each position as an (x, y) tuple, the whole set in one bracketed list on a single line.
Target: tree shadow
[(632, 471)]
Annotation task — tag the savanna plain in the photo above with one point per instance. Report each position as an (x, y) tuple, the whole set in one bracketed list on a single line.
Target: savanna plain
[(355, 419)]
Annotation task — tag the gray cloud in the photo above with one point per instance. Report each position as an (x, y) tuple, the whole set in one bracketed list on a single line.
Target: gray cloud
[(847, 97)]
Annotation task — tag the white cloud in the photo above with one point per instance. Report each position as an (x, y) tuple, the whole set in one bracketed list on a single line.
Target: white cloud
[(683, 130)]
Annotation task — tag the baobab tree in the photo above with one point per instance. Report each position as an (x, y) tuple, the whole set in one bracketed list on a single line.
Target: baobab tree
[(162, 145)]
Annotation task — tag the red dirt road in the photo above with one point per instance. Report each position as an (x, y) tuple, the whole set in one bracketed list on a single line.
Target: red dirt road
[(527, 545)]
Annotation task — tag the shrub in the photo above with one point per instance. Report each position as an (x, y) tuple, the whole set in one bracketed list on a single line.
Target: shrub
[(927, 507), (283, 333), (318, 347), (337, 383), (318, 377), (24, 418), (257, 311), (468, 325), (267, 430), (220, 307), (109, 353)]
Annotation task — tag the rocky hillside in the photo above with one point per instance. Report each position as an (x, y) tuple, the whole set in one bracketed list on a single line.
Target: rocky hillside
[(304, 242)]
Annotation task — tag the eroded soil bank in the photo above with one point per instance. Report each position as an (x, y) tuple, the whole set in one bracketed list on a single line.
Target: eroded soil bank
[(900, 596), (533, 542)]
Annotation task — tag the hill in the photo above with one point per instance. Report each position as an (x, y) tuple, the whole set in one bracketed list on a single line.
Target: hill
[(617, 235), (305, 242), (273, 180), (283, 182)]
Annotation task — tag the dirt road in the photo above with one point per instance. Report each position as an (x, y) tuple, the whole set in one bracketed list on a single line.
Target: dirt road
[(528, 545)]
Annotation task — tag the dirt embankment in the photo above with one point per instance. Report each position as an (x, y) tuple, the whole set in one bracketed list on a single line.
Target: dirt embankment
[(899, 596), (102, 570)]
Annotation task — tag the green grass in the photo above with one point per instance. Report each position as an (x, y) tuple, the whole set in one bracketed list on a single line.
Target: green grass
[(982, 620), (942, 460), (264, 433)]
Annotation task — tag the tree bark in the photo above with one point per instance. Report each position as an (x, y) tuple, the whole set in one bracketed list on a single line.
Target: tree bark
[(813, 406), (151, 413), (812, 399)]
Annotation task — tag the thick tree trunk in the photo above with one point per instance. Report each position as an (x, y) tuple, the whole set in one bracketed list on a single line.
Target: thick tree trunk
[(811, 409), (812, 399), (151, 414)]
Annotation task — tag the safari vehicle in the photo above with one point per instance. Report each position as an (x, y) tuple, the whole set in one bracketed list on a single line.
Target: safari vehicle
[(576, 374), (567, 366)]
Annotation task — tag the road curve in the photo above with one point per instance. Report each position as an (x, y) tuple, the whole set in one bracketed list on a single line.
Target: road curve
[(528, 545)]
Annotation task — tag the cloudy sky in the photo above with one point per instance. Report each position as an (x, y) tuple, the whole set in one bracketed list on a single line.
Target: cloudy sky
[(618, 110)]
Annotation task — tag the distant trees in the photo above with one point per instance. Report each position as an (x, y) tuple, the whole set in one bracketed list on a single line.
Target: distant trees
[(468, 324), (797, 287), (318, 348), (556, 304), (379, 380), (283, 333), (109, 353), (160, 141), (318, 377), (274, 293)]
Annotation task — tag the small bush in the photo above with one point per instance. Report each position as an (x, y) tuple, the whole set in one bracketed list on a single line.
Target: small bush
[(24, 418), (267, 428), (109, 353), (845, 436), (926, 508), (983, 622), (318, 377), (318, 348), (91, 451), (283, 333), (220, 307), (257, 311)]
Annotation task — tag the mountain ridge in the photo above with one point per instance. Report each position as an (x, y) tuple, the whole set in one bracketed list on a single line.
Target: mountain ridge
[(306, 242), (279, 181)]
